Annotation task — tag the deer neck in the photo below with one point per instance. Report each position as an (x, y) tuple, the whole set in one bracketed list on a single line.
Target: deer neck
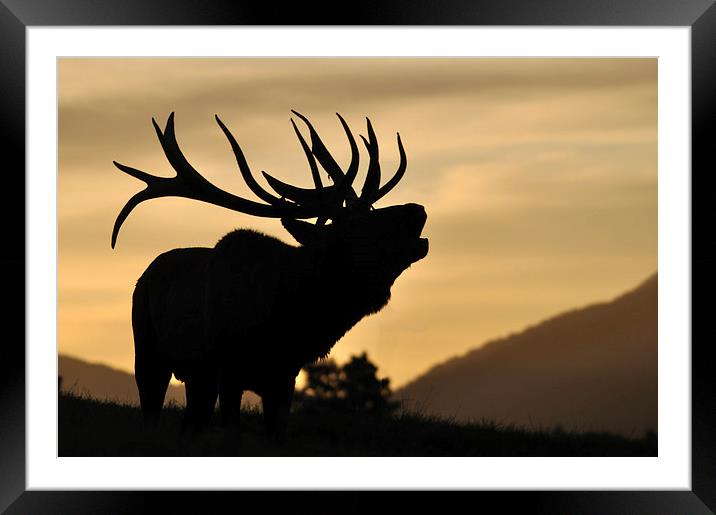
[(341, 289)]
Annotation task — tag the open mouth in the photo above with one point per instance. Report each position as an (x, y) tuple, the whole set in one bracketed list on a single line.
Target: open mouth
[(422, 249)]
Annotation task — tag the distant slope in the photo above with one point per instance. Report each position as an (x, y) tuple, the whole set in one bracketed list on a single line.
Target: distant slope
[(591, 369), (106, 383), (103, 382)]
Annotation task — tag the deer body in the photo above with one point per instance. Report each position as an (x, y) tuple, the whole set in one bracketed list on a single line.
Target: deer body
[(250, 312)]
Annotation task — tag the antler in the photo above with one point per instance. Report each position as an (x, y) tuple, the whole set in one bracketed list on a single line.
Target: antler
[(189, 183), (293, 202), (371, 192)]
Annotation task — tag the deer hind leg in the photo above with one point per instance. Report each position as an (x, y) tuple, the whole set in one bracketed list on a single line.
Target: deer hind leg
[(201, 392), (276, 406), (229, 402), (151, 372), (152, 376)]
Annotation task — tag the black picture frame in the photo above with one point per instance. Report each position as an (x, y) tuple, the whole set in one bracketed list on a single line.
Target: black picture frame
[(17, 15)]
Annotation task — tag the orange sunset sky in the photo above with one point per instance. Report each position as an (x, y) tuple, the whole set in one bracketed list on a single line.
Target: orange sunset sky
[(539, 177)]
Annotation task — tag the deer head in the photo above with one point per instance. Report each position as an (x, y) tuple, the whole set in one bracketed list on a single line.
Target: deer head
[(361, 235)]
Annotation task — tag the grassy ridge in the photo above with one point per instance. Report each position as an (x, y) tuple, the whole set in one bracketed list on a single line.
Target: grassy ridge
[(89, 427)]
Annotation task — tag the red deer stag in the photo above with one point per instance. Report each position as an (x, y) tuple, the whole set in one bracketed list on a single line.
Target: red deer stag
[(250, 312)]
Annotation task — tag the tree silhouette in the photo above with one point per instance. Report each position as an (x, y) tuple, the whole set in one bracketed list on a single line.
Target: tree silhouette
[(322, 382), (353, 387)]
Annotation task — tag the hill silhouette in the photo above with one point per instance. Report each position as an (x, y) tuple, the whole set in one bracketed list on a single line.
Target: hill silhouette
[(592, 369), (106, 383)]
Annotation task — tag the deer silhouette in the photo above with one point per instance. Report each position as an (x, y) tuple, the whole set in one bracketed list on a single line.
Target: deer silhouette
[(250, 312)]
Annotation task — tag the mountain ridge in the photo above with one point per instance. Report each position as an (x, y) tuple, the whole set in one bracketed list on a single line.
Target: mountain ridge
[(598, 349)]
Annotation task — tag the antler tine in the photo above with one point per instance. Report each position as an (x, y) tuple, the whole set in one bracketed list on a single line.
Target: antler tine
[(345, 188), (136, 199), (244, 168), (294, 193), (372, 179), (301, 196), (326, 159), (174, 155), (314, 170), (189, 183), (383, 191), (310, 157)]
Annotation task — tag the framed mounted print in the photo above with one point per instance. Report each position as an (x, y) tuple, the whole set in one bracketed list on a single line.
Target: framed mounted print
[(452, 258)]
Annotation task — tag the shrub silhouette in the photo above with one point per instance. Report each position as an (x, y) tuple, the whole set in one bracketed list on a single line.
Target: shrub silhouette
[(353, 387)]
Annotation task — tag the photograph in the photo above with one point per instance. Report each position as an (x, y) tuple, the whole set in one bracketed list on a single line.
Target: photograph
[(357, 256)]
